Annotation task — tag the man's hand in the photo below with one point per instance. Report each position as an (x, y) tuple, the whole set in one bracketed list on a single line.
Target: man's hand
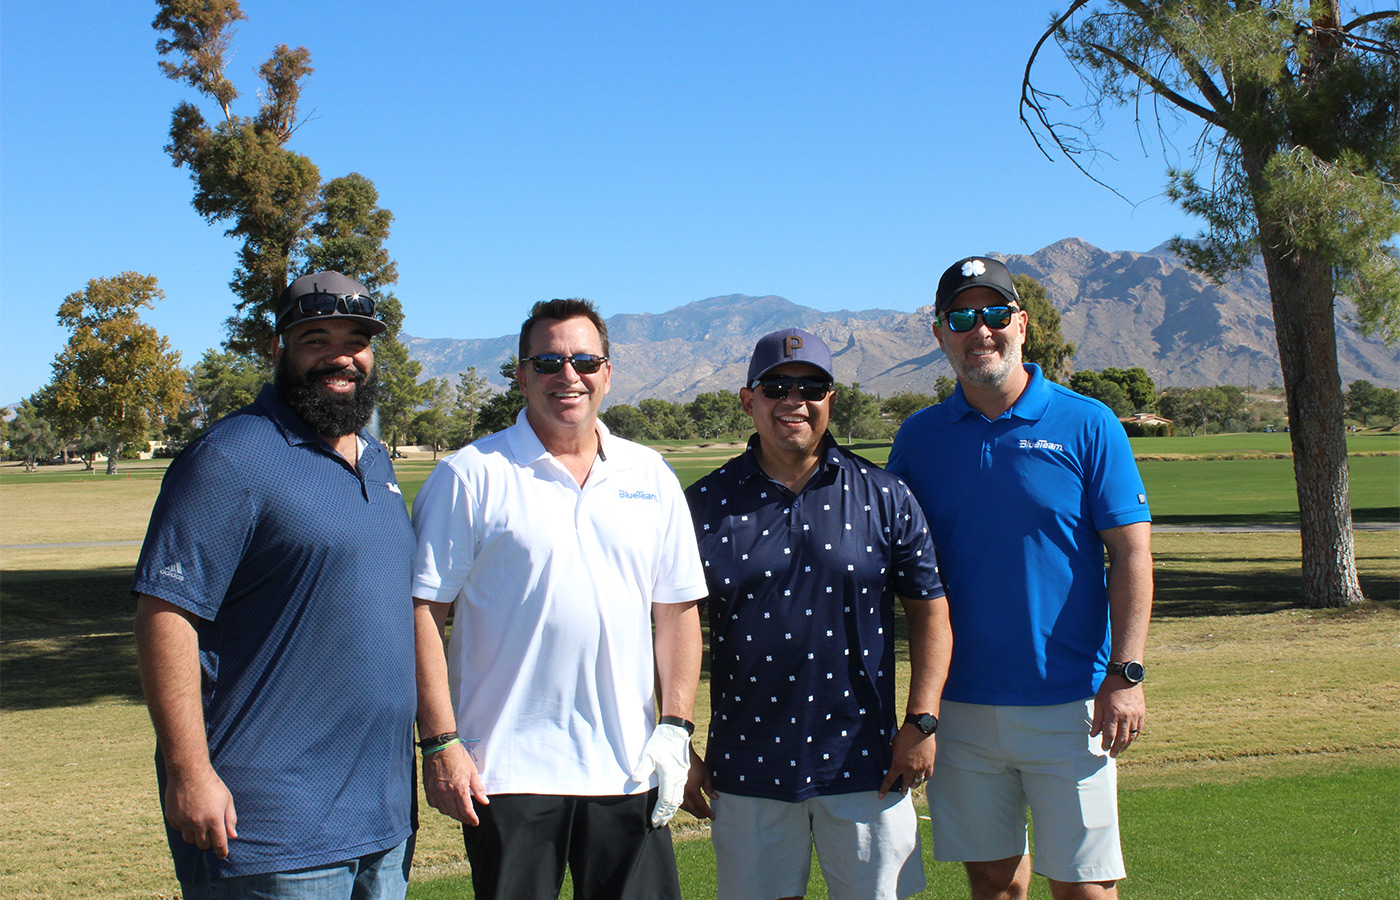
[(200, 807), (452, 784), (1120, 711), (667, 753), (699, 789), (913, 753)]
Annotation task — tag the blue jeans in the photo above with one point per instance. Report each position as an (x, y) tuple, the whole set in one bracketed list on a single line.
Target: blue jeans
[(377, 876)]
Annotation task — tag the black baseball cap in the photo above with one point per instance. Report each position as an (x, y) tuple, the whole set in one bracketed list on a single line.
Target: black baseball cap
[(325, 295), (974, 271), (791, 345)]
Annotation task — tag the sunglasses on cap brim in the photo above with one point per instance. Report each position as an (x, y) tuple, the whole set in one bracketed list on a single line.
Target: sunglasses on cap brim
[(321, 303)]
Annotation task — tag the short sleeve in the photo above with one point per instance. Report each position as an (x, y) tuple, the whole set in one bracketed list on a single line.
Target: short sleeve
[(443, 521), (200, 526), (1117, 496), (914, 574)]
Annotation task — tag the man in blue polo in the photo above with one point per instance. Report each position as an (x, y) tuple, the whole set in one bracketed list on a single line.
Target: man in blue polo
[(806, 547), (275, 630), (1025, 483)]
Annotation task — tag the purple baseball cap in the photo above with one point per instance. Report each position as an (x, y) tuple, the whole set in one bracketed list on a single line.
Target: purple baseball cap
[(791, 345)]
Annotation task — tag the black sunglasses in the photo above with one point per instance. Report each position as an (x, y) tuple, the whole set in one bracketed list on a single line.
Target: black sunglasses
[(324, 304), (553, 363), (777, 387), (996, 317)]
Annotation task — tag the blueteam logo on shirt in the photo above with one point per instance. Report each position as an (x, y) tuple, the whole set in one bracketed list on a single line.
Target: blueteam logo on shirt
[(1041, 445), (636, 495)]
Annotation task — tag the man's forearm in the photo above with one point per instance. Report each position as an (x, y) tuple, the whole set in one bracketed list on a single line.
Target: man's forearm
[(930, 650), (435, 713), (167, 655), (1129, 589), (678, 650)]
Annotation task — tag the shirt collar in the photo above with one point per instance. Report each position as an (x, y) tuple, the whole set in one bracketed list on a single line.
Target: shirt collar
[(529, 449), (747, 465), (1031, 405)]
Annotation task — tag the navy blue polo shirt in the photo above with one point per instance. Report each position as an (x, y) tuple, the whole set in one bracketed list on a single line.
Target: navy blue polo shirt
[(299, 569), (801, 611), (1016, 504)]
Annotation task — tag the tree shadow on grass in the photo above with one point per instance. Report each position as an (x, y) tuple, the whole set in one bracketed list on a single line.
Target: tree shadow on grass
[(1287, 518), (1183, 591), (67, 638)]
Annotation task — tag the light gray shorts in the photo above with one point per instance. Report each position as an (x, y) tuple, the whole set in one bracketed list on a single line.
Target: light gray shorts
[(995, 762), (867, 847)]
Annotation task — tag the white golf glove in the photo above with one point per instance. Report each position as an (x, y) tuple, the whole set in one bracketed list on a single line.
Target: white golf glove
[(667, 753)]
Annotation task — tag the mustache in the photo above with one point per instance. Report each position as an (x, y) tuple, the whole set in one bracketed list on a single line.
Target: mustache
[(350, 373)]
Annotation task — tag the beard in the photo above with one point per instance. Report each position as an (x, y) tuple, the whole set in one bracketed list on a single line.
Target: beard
[(330, 415), (993, 376)]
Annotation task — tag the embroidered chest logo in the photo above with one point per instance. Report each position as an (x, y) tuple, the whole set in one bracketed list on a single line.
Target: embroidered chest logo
[(1041, 445), (636, 495)]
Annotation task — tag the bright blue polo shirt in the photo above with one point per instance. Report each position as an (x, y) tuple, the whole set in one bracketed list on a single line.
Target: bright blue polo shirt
[(299, 569), (801, 611), (1016, 506)]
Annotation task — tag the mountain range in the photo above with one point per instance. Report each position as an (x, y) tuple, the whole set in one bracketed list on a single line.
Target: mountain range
[(1119, 309)]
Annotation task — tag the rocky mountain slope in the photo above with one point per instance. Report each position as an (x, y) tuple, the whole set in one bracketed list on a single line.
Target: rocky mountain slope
[(1118, 308)]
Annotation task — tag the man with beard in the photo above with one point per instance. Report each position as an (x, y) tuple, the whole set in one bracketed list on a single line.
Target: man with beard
[(274, 629), (1024, 484)]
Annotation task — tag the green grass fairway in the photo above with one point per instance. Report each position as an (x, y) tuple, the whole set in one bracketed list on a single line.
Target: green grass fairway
[(1269, 768), (1236, 841)]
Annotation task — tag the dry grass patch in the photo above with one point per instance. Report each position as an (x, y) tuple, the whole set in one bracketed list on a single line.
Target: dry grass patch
[(54, 512)]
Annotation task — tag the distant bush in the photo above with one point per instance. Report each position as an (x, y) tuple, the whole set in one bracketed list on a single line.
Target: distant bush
[(1139, 429)]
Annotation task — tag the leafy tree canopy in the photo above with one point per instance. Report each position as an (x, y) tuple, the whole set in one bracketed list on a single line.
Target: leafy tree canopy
[(856, 414), (901, 406), (1297, 160), (717, 413), (116, 374), (1045, 345)]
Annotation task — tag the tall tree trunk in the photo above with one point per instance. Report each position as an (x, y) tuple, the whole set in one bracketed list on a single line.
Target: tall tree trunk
[(1301, 288), (114, 452)]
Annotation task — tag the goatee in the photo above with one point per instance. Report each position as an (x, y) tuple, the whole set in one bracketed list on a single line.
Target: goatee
[(328, 414)]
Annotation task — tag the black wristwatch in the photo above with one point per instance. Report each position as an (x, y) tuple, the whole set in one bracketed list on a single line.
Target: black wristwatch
[(925, 722), (1130, 671), (679, 722)]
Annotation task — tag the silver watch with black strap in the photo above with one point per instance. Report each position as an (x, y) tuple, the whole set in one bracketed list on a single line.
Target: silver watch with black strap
[(1131, 671)]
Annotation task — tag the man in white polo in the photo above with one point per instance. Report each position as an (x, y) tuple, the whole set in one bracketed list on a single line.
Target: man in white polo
[(560, 546)]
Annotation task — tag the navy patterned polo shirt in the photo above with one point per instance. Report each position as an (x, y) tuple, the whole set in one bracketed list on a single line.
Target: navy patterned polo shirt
[(299, 569), (801, 612)]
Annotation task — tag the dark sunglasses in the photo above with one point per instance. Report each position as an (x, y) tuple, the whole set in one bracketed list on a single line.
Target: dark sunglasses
[(777, 387), (323, 304), (996, 317), (553, 363)]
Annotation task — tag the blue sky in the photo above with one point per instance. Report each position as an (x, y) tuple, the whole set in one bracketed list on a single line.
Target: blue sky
[(643, 155)]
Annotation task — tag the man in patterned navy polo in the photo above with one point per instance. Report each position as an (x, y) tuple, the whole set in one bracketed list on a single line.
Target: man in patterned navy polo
[(806, 546), (274, 628)]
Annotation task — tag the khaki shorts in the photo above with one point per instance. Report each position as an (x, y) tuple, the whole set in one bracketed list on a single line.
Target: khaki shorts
[(867, 847), (995, 762)]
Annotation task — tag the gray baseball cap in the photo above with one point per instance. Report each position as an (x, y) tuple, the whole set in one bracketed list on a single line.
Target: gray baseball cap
[(327, 294)]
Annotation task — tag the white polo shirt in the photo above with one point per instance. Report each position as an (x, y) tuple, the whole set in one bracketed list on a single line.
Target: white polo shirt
[(550, 659)]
